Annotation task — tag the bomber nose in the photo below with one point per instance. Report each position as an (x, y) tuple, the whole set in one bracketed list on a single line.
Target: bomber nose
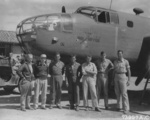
[(27, 29), (25, 32)]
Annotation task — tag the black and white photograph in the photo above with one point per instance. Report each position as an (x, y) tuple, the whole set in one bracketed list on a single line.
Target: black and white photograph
[(74, 60)]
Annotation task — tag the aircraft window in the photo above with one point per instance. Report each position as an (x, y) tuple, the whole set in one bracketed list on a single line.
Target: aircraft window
[(40, 25), (40, 22), (107, 17), (103, 17), (41, 19), (51, 19), (130, 24), (67, 22), (54, 23), (114, 18), (27, 27), (88, 12)]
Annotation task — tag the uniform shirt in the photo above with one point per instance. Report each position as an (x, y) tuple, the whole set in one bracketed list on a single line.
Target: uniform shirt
[(72, 71), (41, 71), (104, 66), (89, 67), (121, 66), (56, 68), (25, 72)]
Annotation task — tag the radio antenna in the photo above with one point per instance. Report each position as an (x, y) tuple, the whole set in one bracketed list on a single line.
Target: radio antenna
[(110, 5)]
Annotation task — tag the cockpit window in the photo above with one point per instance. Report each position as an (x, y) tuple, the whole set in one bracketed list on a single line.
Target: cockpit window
[(100, 15), (88, 12), (41, 19), (40, 22), (53, 23), (49, 22), (103, 16), (114, 18)]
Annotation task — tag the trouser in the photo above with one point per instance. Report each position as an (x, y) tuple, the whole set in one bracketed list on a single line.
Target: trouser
[(121, 91), (25, 89), (74, 93), (14, 78), (56, 88), (89, 82), (102, 83), (40, 85)]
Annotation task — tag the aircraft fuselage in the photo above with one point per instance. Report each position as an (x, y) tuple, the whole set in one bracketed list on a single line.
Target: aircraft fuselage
[(85, 32)]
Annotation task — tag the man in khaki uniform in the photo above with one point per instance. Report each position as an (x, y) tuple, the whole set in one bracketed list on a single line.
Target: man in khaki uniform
[(26, 74), (121, 67), (103, 67), (89, 72), (56, 70)]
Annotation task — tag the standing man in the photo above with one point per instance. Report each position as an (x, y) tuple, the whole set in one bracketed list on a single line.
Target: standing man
[(26, 73), (41, 74), (73, 76), (14, 67), (121, 67), (56, 70), (11, 59), (103, 67), (89, 72)]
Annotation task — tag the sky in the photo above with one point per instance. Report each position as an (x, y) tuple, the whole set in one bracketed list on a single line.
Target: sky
[(12, 12)]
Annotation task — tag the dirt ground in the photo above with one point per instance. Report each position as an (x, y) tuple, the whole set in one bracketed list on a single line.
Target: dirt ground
[(10, 109)]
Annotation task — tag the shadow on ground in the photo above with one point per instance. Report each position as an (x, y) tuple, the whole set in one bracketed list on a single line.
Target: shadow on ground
[(11, 101)]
